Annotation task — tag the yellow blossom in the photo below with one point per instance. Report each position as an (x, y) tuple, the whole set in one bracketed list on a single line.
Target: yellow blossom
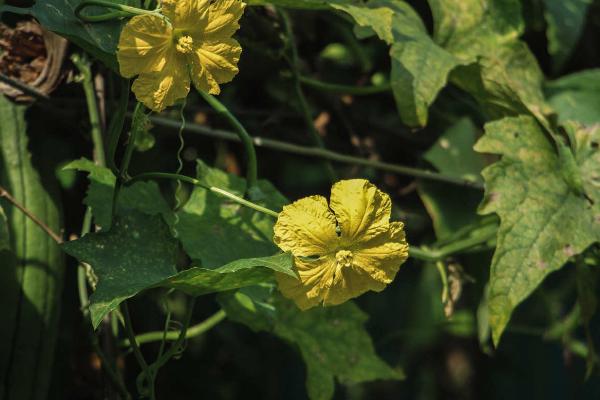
[(341, 249), (190, 42)]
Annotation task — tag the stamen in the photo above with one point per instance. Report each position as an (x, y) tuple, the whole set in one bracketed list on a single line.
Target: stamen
[(344, 258), (185, 44)]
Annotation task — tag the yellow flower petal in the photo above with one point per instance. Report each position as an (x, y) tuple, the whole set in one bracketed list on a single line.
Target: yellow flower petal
[(362, 210), (382, 256), (306, 228), (214, 63), (143, 45), (366, 255), (309, 289), (158, 90), (223, 19), (187, 15)]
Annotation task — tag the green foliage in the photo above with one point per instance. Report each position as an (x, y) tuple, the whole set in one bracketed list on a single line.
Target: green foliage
[(332, 340), (420, 68), (450, 210), (209, 226), (544, 222), (576, 97), (565, 21), (100, 40), (142, 196), (139, 253)]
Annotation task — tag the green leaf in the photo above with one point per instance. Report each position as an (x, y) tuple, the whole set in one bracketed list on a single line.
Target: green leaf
[(137, 252), (4, 236), (468, 28), (420, 68), (452, 154), (503, 74), (565, 19), (543, 221), (215, 231), (141, 196), (332, 340), (576, 97), (237, 274), (99, 39)]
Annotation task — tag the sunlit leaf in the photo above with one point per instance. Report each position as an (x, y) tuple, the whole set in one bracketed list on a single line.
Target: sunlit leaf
[(141, 196), (420, 68), (544, 221), (215, 231)]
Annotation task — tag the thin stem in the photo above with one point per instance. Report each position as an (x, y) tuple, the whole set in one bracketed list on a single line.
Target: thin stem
[(121, 11), (193, 331), (196, 182), (444, 277), (321, 153), (55, 236), (244, 136), (132, 340), (112, 375), (306, 114), (344, 89), (117, 122), (433, 255), (83, 65), (26, 89)]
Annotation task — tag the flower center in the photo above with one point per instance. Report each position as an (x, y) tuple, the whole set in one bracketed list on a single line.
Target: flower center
[(184, 44), (344, 258)]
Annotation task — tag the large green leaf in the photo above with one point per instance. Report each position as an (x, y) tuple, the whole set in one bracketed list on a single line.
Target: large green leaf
[(576, 97), (544, 220), (215, 231), (420, 68), (332, 340), (141, 196), (565, 19), (139, 253)]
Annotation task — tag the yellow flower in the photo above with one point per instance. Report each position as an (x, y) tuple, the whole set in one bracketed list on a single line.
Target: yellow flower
[(343, 249), (191, 41)]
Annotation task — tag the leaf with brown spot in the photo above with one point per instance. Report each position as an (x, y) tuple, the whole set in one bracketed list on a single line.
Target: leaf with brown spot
[(544, 221)]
